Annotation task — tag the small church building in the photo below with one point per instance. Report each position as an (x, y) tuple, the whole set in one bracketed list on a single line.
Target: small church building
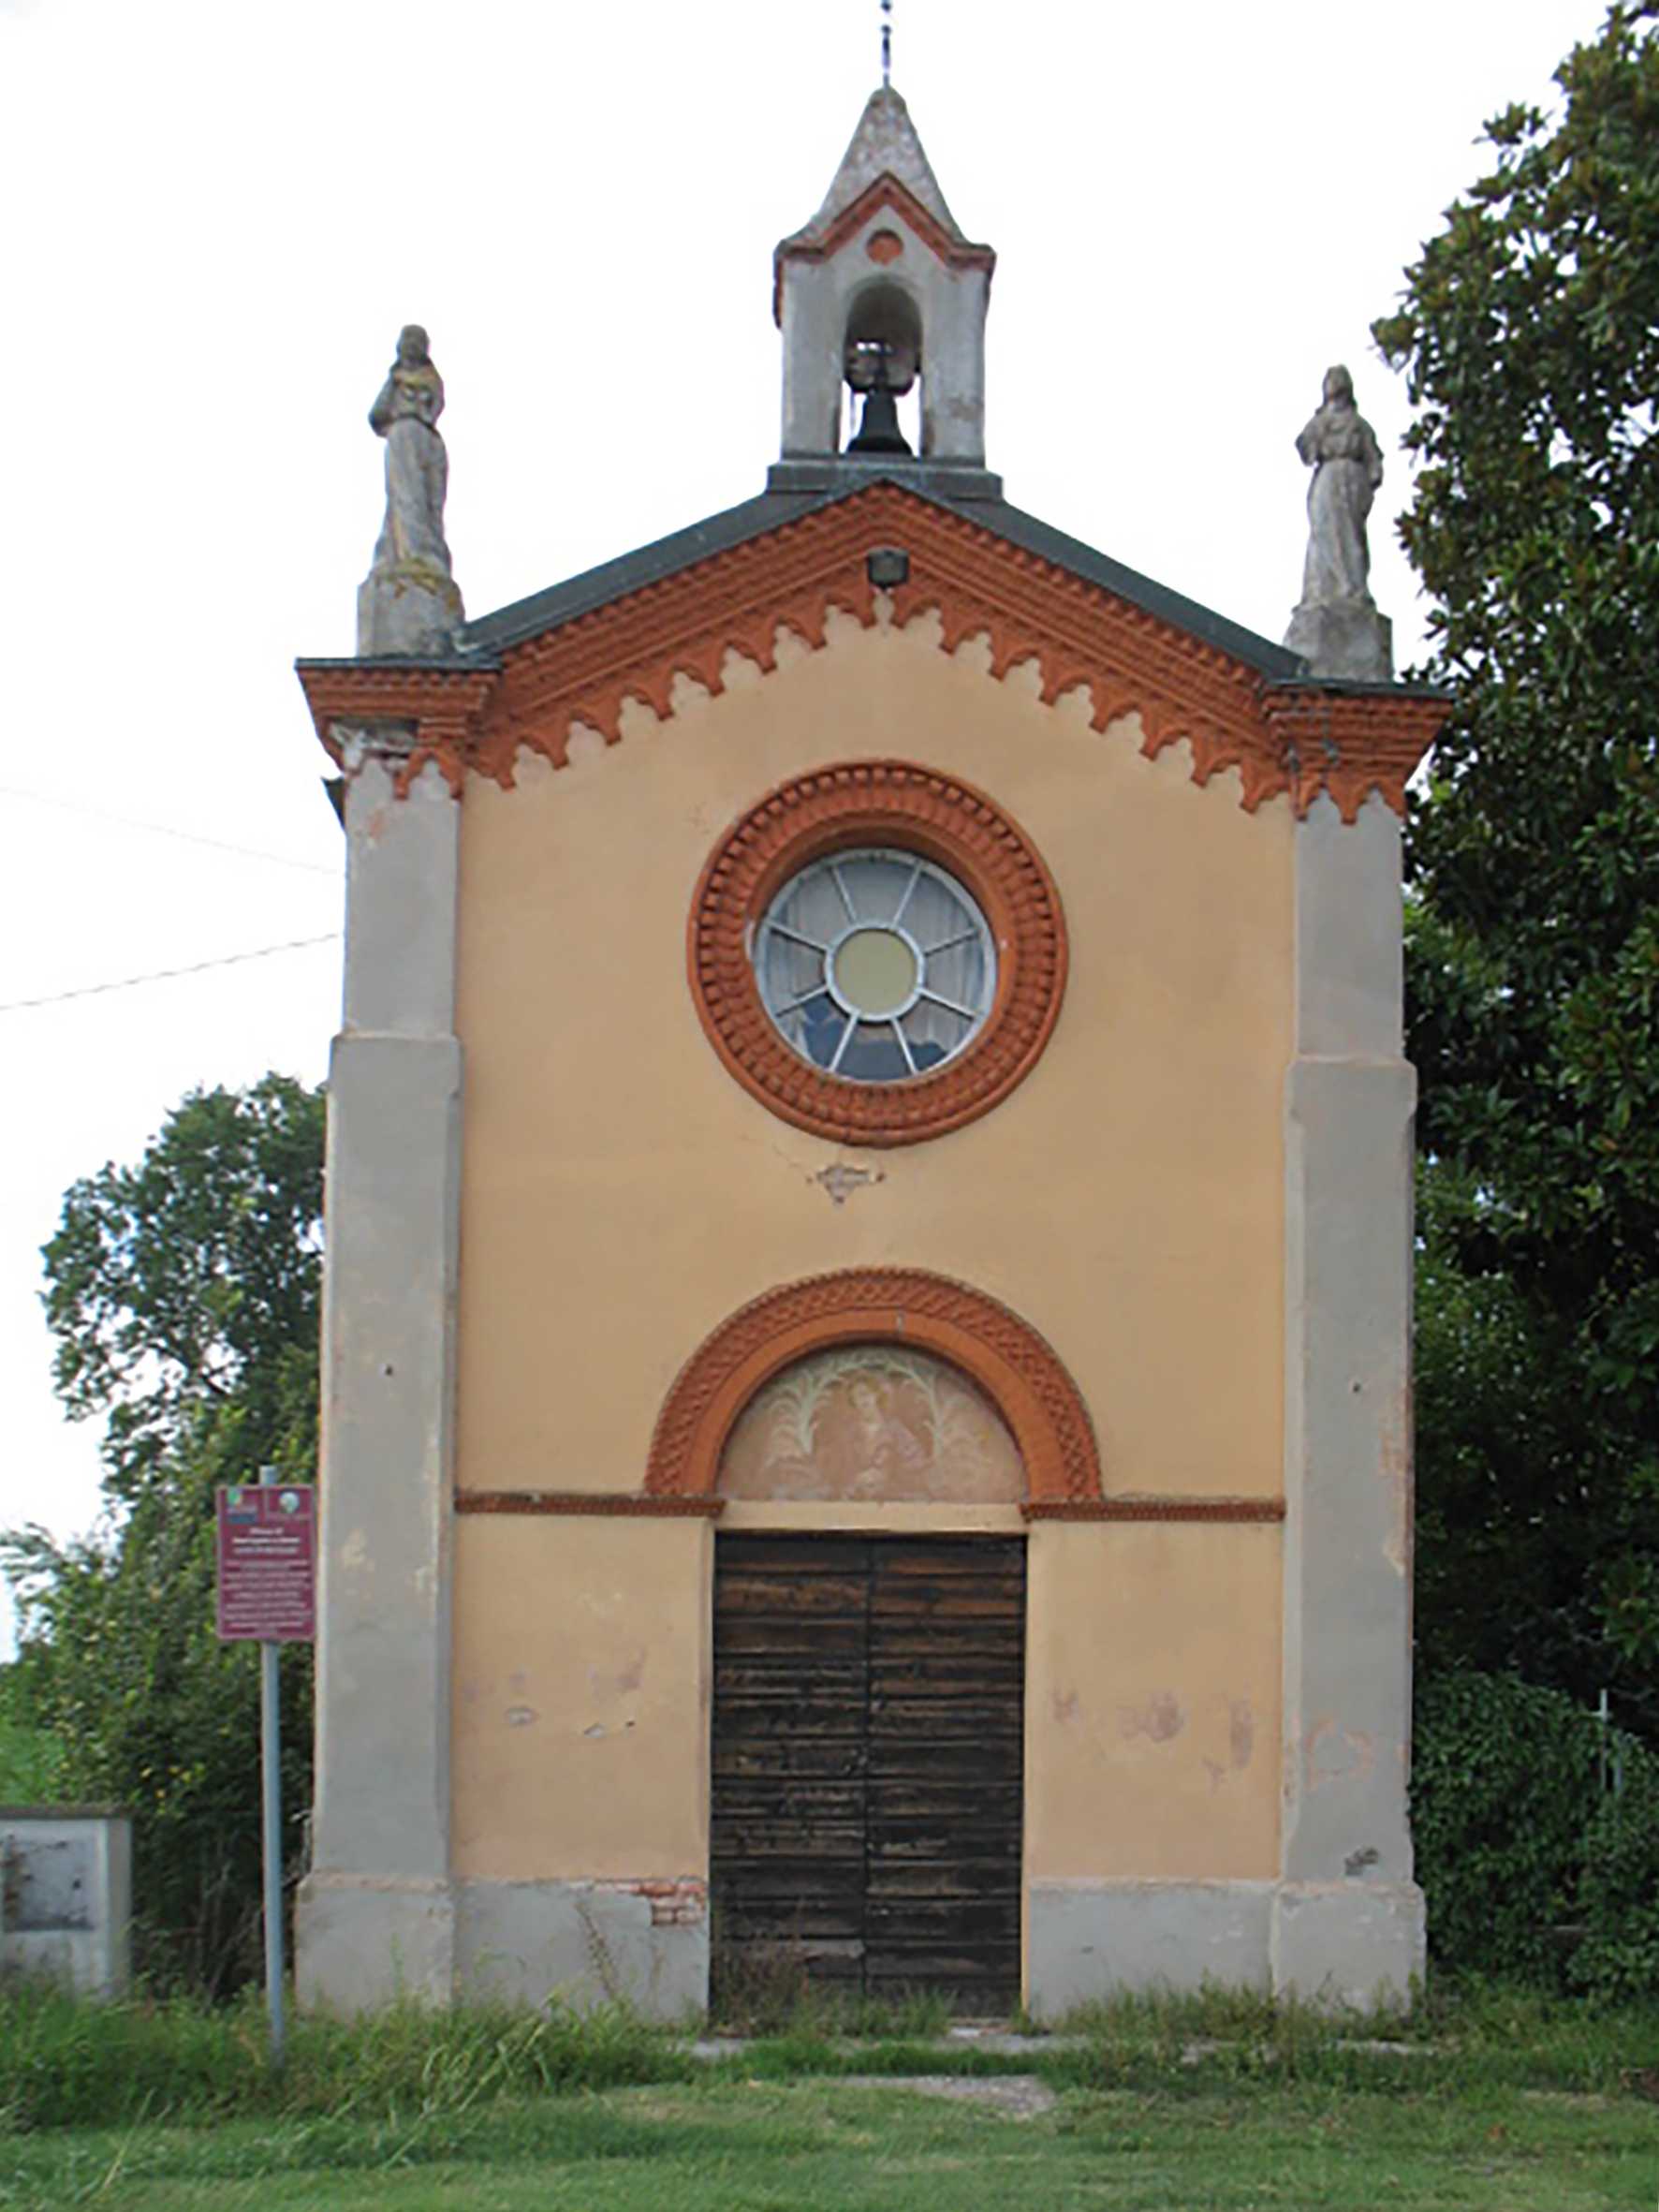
[(867, 1413)]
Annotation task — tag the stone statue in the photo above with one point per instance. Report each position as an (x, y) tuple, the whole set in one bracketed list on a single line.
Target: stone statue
[(409, 602), (1340, 447), (1337, 628)]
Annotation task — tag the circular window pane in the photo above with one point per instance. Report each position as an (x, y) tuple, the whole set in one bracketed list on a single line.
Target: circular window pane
[(875, 964), (971, 1001)]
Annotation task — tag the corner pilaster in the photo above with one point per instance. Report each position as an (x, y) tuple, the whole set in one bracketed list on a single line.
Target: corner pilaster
[(1347, 1920), (377, 1913)]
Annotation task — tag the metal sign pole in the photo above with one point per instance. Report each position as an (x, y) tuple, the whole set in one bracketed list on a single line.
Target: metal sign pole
[(266, 1539), (271, 1770)]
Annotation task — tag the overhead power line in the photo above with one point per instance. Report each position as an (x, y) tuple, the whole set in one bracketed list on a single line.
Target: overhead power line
[(130, 821), (168, 975)]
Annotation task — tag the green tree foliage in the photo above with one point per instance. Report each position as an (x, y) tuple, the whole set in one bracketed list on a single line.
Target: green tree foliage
[(184, 1296), (1536, 1839), (189, 1285), (1529, 334)]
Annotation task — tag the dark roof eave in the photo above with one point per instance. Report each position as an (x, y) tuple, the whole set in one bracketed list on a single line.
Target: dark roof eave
[(1196, 620), (632, 571), (1364, 687), (485, 639), (464, 663)]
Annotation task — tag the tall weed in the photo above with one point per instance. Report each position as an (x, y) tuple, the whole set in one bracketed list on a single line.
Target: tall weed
[(67, 2062)]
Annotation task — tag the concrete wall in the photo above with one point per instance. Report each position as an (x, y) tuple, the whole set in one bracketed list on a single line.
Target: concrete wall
[(65, 1897)]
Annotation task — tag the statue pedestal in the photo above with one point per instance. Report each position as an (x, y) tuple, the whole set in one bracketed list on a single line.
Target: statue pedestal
[(407, 607), (1344, 637)]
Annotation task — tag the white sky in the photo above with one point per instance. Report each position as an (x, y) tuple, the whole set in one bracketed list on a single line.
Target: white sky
[(213, 219)]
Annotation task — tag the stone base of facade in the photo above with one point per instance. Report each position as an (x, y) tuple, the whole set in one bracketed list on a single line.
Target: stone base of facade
[(1341, 1943), (361, 1940), (1347, 1942), (1348, 640), (644, 1944), (1085, 1940)]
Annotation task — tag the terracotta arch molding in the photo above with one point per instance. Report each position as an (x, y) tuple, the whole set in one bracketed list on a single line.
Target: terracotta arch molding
[(1020, 1372), (918, 810)]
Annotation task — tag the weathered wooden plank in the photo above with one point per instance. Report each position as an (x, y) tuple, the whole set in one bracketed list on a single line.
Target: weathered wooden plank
[(868, 1748)]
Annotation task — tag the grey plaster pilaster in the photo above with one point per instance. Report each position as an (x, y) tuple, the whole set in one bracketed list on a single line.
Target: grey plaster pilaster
[(403, 856), (1348, 1918), (375, 1916)]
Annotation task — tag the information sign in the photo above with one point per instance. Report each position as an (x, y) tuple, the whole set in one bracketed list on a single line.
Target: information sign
[(268, 1562)]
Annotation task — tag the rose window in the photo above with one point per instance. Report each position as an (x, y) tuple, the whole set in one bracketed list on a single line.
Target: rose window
[(875, 964)]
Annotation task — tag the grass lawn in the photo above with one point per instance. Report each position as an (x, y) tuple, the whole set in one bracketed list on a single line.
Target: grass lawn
[(1215, 2102), (728, 2144)]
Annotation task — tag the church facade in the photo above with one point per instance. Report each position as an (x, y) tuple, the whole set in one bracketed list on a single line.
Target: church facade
[(866, 1424)]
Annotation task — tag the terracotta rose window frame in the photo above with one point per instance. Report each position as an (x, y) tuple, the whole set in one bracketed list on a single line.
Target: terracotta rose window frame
[(866, 803), (1017, 1368)]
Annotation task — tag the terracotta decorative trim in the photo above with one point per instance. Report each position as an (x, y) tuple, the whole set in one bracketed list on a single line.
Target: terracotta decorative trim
[(592, 1504), (1294, 739), (1022, 1373), (1154, 1509), (885, 192), (437, 712), (877, 802), (1351, 744)]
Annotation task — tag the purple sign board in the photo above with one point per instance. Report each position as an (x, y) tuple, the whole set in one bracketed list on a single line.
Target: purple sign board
[(268, 1562)]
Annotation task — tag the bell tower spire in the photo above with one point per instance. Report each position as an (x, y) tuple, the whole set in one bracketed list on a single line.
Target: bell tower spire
[(882, 291)]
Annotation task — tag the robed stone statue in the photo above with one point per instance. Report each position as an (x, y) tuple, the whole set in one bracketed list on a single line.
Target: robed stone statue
[(409, 602), (1337, 628)]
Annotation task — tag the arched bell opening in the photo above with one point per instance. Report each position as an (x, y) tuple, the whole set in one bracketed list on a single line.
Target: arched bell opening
[(883, 364)]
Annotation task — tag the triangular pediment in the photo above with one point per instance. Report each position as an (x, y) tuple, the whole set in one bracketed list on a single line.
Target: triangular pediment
[(571, 658)]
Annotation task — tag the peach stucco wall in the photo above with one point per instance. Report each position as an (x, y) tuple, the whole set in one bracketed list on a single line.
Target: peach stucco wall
[(580, 1708), (1151, 1702), (621, 1195)]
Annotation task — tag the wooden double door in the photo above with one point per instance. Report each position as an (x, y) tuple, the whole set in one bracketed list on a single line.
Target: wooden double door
[(868, 1762)]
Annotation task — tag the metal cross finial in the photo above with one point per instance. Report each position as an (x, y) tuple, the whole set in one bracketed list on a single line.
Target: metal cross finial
[(886, 43)]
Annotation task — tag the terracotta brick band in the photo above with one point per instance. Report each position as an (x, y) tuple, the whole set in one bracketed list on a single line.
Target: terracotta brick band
[(587, 1502), (1154, 1509)]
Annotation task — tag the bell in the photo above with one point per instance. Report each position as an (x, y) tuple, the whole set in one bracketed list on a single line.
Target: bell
[(878, 426)]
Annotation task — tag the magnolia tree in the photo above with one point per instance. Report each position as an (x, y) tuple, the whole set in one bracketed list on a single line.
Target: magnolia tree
[(1529, 336)]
